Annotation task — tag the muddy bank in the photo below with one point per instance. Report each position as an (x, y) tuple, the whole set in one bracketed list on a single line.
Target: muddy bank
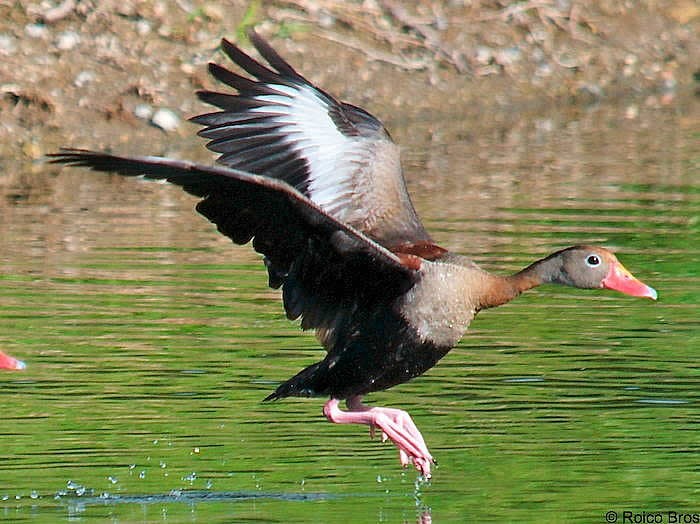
[(121, 74)]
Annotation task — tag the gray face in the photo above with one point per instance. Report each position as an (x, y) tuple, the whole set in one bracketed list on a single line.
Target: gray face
[(586, 266)]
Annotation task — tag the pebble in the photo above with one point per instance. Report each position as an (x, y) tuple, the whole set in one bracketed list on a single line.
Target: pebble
[(544, 125), (543, 69), (669, 81), (213, 11), (67, 40), (143, 111), (36, 30), (165, 119), (631, 59), (508, 56), (165, 31), (84, 77), (7, 44), (33, 149), (568, 60), (483, 55), (326, 20), (592, 91), (143, 27)]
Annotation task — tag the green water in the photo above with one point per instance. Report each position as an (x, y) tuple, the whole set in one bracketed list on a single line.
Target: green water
[(150, 342)]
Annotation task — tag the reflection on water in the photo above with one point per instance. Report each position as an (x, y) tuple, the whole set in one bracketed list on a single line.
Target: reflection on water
[(151, 341)]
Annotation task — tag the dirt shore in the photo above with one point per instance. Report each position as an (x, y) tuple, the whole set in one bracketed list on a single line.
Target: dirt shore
[(104, 74)]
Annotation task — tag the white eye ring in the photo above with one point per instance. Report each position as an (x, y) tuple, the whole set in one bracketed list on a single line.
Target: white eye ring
[(592, 260)]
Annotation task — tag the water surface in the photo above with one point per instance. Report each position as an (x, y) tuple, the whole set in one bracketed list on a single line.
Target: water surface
[(151, 340)]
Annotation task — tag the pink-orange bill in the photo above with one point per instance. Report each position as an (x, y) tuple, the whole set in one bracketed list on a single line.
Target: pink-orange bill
[(623, 281)]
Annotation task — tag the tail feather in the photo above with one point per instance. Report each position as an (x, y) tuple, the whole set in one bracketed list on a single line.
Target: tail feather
[(309, 382)]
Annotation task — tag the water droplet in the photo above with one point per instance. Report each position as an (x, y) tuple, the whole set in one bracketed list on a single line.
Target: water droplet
[(191, 478)]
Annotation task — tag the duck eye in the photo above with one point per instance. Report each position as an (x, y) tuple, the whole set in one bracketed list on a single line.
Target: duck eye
[(593, 260)]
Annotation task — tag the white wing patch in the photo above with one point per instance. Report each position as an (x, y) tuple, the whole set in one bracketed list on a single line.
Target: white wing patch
[(335, 160)]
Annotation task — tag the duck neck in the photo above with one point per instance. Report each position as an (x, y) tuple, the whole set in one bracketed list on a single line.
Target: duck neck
[(505, 289), (547, 270)]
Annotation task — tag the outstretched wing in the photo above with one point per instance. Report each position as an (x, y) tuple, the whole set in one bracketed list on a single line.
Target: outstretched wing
[(339, 156), (326, 268)]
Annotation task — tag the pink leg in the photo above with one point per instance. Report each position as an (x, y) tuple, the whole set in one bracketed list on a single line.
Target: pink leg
[(8, 362), (395, 424)]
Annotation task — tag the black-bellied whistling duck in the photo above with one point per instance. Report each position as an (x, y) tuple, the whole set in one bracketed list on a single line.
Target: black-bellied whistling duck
[(317, 185), (8, 362)]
